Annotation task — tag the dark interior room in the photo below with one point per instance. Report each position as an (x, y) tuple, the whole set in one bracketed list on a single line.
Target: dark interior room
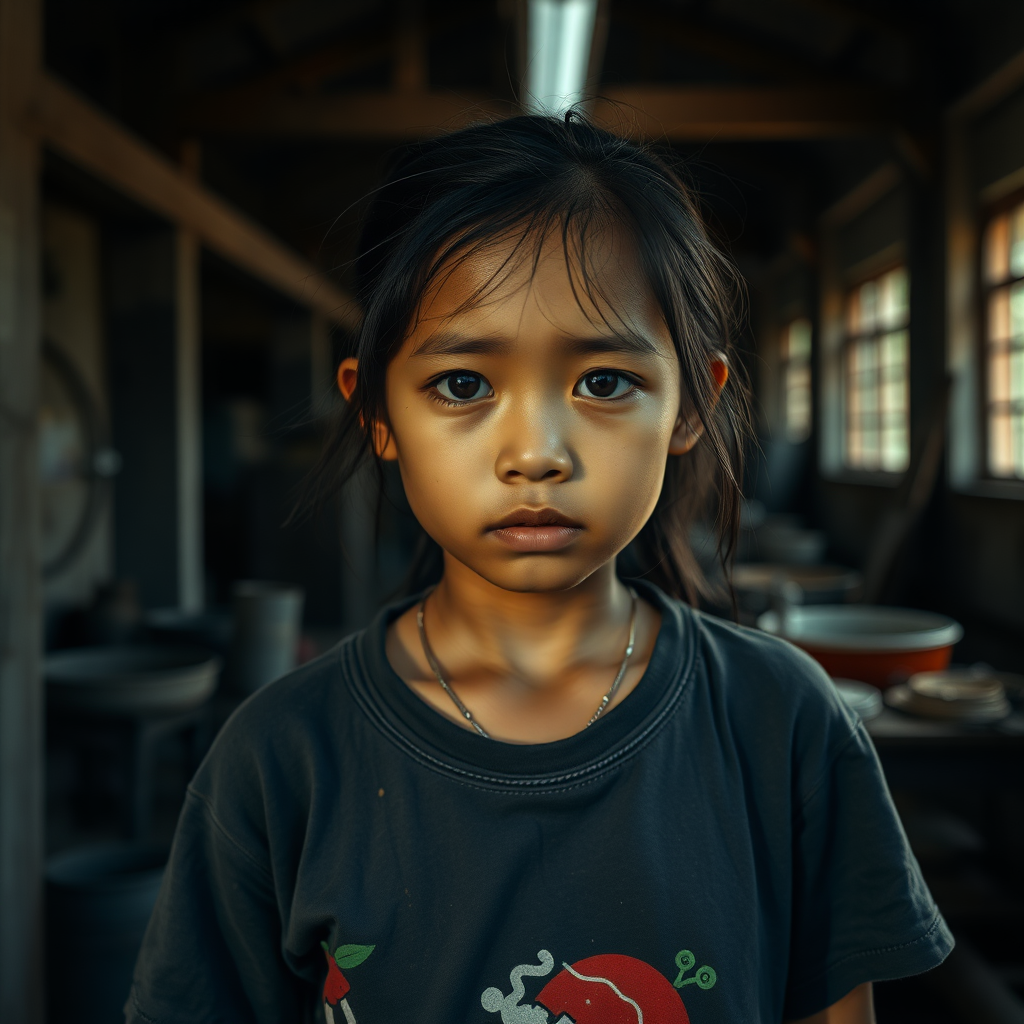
[(182, 186)]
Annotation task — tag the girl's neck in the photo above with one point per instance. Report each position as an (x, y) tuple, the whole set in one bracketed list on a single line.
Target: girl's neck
[(531, 637), (531, 667)]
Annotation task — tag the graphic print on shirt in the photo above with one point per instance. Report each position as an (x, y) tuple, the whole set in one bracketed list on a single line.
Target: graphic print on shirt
[(336, 987), (610, 988)]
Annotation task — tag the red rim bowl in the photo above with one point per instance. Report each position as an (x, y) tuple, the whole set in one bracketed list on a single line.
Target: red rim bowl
[(871, 643)]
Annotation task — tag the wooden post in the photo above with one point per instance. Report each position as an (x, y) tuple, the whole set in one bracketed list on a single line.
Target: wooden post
[(22, 846), (188, 363)]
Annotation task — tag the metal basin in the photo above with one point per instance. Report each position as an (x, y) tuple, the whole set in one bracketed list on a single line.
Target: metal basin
[(869, 643), (130, 680)]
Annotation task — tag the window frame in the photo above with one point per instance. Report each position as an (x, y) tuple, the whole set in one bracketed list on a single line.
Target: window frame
[(875, 270), (786, 362), (984, 477)]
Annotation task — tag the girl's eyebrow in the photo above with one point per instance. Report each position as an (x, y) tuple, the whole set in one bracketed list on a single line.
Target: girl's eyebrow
[(448, 343), (631, 343), (445, 343)]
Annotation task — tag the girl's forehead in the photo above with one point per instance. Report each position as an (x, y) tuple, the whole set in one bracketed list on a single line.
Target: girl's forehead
[(576, 285)]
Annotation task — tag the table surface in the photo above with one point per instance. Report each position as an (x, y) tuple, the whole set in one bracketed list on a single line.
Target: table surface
[(894, 728)]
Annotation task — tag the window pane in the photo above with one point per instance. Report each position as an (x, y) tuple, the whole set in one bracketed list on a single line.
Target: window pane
[(800, 339), (1017, 241), (868, 306), (1017, 310), (1000, 446), (895, 454), (876, 383), (894, 350), (893, 300), (894, 396), (871, 445), (1016, 375), (798, 403), (1004, 353), (853, 317), (997, 250), (999, 375), (1018, 444), (999, 315)]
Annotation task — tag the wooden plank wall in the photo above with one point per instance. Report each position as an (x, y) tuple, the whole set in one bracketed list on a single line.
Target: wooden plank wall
[(22, 846)]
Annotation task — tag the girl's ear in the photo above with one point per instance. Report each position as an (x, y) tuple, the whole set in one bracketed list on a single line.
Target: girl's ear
[(687, 431), (383, 441), (348, 374)]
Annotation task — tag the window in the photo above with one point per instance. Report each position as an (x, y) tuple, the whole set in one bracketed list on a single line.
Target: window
[(876, 361), (1003, 278), (796, 379)]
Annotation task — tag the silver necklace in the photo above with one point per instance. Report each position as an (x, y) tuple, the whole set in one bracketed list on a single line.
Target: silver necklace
[(468, 715)]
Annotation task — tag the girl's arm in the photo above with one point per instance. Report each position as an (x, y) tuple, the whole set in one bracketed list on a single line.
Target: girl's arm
[(856, 1007)]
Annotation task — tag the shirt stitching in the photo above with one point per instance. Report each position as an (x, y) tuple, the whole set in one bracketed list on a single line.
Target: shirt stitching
[(208, 807), (936, 922), (543, 783), (142, 1013)]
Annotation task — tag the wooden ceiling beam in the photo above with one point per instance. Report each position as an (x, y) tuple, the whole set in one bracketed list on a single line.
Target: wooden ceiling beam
[(731, 114), (733, 49), (390, 116), (678, 113), (404, 41), (78, 131)]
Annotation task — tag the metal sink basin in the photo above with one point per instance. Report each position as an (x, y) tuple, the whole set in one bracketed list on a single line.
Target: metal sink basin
[(130, 680)]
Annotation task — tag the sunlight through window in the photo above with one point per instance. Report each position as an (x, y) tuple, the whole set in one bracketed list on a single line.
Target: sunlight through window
[(1004, 342), (876, 378), (796, 379)]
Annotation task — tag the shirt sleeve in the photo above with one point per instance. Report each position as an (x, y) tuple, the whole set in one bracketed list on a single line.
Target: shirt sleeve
[(862, 911), (212, 951)]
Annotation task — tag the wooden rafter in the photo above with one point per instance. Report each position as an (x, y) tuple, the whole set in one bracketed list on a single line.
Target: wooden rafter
[(723, 114), (680, 113), (368, 115), (355, 52), (92, 140), (733, 48)]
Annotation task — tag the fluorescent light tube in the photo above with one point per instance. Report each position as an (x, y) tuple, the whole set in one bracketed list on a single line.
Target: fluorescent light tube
[(559, 35)]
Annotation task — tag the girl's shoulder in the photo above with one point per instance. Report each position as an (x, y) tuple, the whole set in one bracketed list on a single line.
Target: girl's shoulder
[(769, 693), (287, 731)]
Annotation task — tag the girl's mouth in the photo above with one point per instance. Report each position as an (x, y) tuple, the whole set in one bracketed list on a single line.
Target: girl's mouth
[(536, 530)]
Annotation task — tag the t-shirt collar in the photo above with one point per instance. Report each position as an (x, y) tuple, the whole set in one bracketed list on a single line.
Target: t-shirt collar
[(427, 733)]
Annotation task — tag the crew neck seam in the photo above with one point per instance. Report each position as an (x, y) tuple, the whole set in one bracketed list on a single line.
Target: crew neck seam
[(357, 678)]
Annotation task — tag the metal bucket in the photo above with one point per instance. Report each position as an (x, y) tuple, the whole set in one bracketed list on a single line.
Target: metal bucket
[(265, 640)]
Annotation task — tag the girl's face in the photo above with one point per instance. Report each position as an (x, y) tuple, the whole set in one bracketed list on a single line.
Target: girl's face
[(532, 435)]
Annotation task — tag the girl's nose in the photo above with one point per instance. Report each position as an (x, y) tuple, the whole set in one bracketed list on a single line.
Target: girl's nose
[(534, 449)]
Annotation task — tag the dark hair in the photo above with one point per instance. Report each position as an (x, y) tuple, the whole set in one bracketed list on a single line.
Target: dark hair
[(519, 178)]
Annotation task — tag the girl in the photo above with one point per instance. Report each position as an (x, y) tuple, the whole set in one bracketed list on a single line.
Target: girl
[(540, 793)]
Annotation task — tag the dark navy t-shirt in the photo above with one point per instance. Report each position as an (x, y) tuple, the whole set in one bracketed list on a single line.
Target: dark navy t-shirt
[(719, 847)]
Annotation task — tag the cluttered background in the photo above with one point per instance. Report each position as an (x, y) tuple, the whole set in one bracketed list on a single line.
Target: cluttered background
[(180, 190)]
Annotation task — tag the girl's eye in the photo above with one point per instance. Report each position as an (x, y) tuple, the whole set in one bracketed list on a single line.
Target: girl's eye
[(463, 387), (604, 384)]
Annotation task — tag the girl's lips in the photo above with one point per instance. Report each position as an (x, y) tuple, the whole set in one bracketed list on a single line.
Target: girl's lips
[(548, 537)]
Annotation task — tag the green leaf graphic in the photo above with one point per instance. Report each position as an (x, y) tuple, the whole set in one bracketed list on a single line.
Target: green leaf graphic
[(351, 955)]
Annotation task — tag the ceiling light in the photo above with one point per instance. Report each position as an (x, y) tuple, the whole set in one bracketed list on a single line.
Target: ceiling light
[(559, 36)]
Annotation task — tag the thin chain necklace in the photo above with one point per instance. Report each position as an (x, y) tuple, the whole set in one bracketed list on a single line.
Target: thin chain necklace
[(468, 715)]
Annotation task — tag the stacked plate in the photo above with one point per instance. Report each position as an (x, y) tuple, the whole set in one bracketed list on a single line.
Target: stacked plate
[(952, 696), (865, 701)]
